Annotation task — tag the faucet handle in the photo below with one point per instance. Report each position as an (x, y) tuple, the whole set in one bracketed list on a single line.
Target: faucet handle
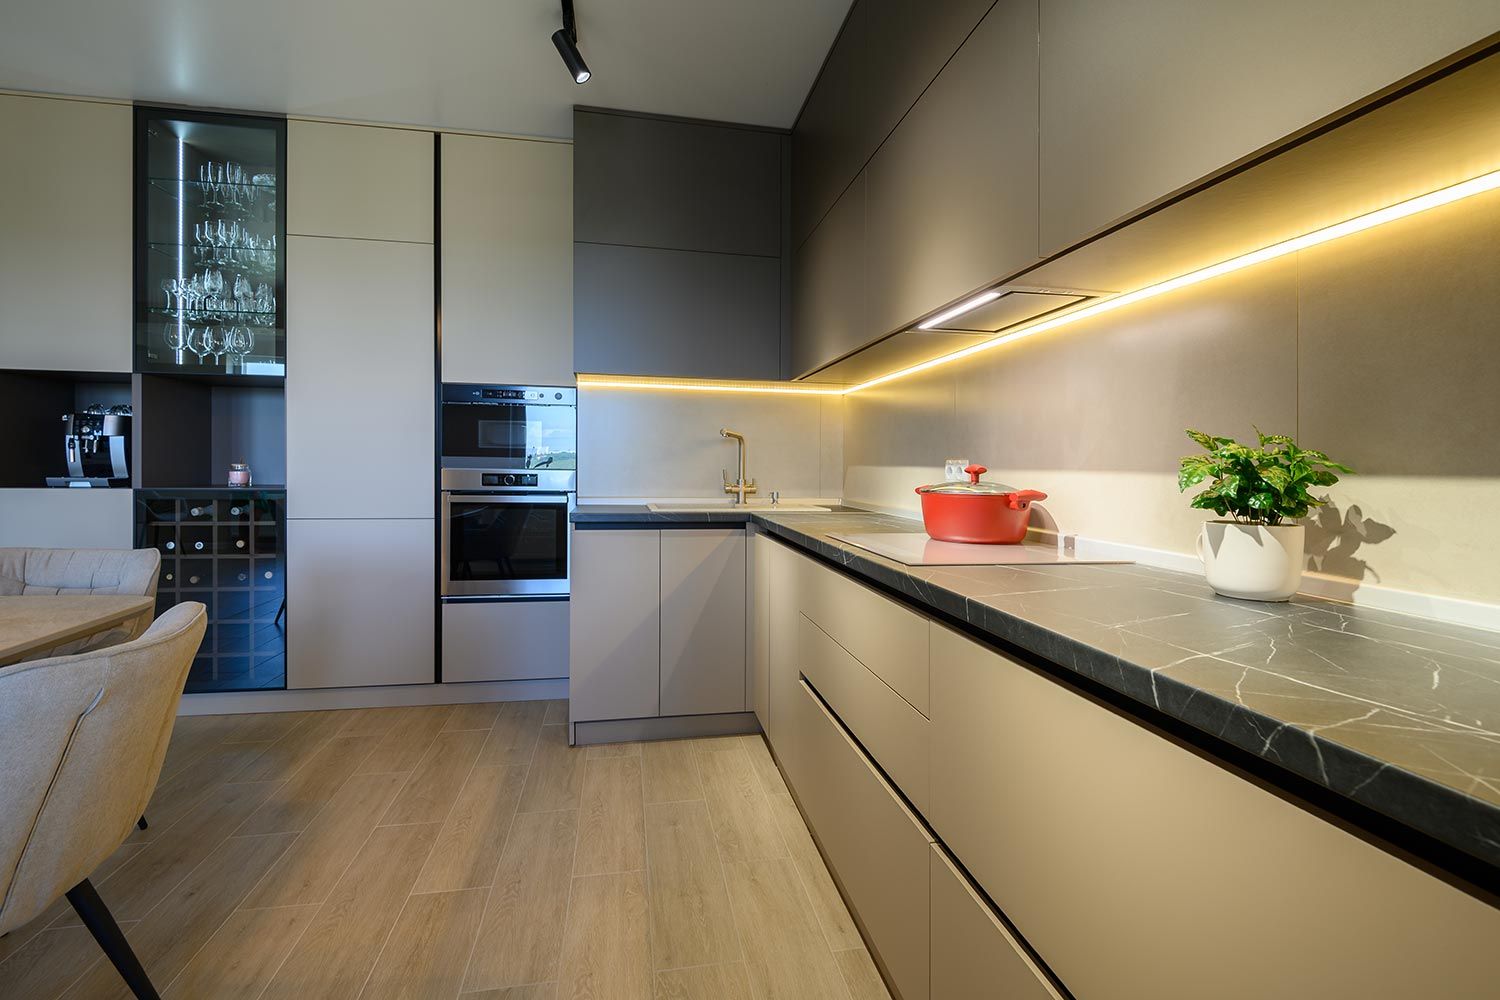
[(725, 474)]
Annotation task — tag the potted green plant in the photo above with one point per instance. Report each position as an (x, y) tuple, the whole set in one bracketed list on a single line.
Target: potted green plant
[(1254, 550)]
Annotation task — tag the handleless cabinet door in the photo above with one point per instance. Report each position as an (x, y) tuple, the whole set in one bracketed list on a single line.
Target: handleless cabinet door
[(974, 955), (757, 687), (65, 235), (360, 607), (951, 200), (702, 621), (507, 260), (359, 383), (830, 311), (359, 181), (614, 625)]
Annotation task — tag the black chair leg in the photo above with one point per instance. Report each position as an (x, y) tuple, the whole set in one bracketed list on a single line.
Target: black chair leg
[(140, 824), (101, 923)]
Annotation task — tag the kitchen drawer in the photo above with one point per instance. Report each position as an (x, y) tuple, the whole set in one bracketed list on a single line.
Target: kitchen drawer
[(504, 640), (974, 955), (891, 731), (876, 848), (887, 637), (1139, 870)]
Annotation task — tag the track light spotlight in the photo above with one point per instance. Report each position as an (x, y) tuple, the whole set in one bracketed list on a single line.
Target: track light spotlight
[(566, 40)]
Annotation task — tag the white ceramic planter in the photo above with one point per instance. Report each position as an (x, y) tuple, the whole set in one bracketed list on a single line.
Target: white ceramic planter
[(1253, 562)]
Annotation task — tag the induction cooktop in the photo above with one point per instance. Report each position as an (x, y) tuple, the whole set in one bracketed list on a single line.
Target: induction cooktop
[(916, 548)]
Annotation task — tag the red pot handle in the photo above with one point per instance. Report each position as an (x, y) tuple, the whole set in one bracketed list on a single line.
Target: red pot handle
[(1020, 499)]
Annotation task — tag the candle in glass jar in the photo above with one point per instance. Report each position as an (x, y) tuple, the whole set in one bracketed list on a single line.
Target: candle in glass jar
[(239, 474)]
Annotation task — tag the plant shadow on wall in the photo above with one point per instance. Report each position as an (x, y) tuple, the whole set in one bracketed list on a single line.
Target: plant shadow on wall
[(1334, 541)]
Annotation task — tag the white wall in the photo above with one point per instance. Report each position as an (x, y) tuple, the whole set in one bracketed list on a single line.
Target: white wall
[(663, 443), (66, 519)]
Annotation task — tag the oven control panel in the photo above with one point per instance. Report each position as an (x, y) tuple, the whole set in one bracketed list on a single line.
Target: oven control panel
[(534, 394), (509, 479)]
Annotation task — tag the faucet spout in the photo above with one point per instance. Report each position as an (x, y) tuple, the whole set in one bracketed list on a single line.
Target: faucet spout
[(740, 487)]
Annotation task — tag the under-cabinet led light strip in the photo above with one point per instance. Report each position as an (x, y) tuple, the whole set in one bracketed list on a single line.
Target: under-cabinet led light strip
[(1358, 224), (707, 385)]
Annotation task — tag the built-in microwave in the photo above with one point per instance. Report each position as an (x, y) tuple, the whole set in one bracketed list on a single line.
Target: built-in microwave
[(513, 430)]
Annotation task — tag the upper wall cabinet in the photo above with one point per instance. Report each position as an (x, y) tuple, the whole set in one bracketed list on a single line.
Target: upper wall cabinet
[(950, 202), (360, 182), (886, 54), (65, 235), (680, 236), (830, 308), (507, 261), (1142, 97), (675, 185)]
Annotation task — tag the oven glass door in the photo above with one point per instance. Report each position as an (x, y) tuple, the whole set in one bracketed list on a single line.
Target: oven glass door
[(511, 435), (505, 544)]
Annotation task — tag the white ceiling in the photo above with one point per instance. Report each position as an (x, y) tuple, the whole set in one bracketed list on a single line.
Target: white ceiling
[(486, 65)]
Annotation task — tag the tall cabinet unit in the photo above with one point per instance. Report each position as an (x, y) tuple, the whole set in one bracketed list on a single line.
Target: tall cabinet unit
[(361, 386)]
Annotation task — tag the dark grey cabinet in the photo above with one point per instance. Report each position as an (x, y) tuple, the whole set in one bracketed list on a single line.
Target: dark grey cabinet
[(885, 56), (645, 311), (830, 312), (951, 198), (680, 243), (677, 185)]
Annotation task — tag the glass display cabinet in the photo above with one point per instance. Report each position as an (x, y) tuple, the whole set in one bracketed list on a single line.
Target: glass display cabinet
[(210, 230), (225, 548)]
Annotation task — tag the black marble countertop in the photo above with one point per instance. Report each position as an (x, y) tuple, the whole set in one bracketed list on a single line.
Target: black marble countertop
[(1396, 713), (622, 513)]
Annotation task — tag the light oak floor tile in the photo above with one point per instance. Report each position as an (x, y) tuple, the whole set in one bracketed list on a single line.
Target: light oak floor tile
[(264, 726), (557, 713), (290, 808), (172, 933), (611, 824), (614, 750), (429, 947), (178, 795), (243, 955), (739, 808), (691, 920), (293, 751), (827, 904), (705, 982), (372, 721), (405, 743), (536, 991), (670, 770), (787, 956), (434, 785), (520, 938), (318, 858), (607, 949), (468, 848), (61, 912), (860, 975), (556, 778), (335, 955), (514, 736), (49, 962), (765, 768), (480, 715)]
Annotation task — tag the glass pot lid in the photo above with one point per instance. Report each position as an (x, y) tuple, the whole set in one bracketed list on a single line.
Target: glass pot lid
[(974, 487)]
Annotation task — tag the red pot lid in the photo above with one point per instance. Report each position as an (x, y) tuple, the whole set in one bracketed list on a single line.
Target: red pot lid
[(974, 487)]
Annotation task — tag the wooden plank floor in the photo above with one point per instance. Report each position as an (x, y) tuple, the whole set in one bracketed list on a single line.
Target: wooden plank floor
[(467, 850)]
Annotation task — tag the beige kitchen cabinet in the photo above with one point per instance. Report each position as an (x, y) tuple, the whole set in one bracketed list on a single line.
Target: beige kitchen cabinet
[(758, 677), (507, 224), (65, 235), (950, 200), (359, 373), (614, 625), (360, 602), (830, 311), (67, 519), (703, 627), (875, 846), (359, 182), (974, 955), (1142, 97), (1137, 869), (783, 611), (504, 640)]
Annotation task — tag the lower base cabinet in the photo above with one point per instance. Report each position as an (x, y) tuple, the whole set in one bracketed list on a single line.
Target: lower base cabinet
[(504, 640), (361, 607), (878, 850), (974, 955)]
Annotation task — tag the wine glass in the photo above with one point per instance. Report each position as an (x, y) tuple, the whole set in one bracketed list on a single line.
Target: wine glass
[(175, 334), (241, 341), (195, 341)]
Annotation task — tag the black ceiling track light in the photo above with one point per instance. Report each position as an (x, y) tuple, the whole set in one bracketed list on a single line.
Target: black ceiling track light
[(566, 40)]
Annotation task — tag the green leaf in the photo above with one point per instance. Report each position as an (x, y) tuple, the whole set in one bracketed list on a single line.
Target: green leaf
[(1277, 476)]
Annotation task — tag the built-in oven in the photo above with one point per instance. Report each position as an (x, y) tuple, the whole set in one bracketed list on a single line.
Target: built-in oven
[(509, 476)]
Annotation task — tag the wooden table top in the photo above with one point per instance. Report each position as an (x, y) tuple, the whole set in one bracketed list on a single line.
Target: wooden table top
[(34, 624)]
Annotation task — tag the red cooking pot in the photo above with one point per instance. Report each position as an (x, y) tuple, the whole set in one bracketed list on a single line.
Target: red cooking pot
[(976, 512)]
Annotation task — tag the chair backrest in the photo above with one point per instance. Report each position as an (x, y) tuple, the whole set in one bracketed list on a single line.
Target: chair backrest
[(82, 739), (79, 571)]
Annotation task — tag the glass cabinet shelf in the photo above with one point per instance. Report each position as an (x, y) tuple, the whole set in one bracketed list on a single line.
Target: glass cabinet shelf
[(210, 278)]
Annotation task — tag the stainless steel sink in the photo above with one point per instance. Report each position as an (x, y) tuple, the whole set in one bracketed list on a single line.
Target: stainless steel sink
[(711, 506)]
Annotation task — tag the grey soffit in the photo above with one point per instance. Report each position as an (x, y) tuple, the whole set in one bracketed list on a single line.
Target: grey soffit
[(1400, 715)]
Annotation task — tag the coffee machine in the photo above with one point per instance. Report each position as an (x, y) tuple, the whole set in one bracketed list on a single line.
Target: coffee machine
[(97, 444)]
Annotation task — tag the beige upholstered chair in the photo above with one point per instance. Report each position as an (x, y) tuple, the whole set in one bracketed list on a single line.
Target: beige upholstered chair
[(82, 739), (83, 571)]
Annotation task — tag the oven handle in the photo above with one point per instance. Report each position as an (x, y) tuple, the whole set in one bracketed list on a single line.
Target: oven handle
[(557, 499)]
